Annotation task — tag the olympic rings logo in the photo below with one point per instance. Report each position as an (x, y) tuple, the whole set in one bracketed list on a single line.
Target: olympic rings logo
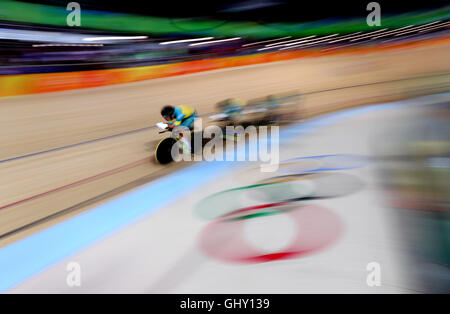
[(316, 226)]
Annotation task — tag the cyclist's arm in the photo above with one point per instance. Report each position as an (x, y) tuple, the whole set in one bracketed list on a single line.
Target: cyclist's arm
[(179, 116)]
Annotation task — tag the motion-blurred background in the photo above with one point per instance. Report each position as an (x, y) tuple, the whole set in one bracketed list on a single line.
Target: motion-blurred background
[(36, 37)]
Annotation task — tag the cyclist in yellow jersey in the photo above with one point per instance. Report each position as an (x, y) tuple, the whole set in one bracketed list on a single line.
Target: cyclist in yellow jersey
[(180, 116)]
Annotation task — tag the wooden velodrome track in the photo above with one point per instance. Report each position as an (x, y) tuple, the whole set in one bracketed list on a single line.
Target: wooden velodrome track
[(62, 153)]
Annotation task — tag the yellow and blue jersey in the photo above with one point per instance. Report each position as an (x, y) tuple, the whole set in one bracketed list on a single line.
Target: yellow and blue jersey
[(183, 114)]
